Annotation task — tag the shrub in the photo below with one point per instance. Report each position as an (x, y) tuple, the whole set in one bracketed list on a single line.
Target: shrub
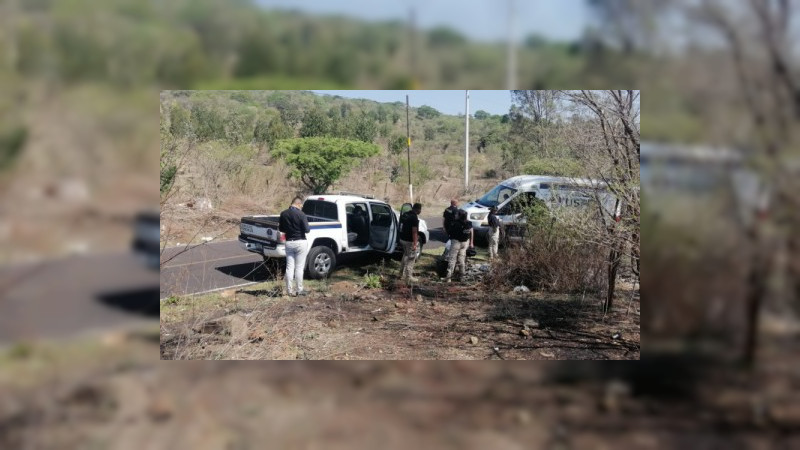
[(553, 256), (372, 281)]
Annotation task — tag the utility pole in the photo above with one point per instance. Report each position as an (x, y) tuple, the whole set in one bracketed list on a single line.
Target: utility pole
[(511, 69), (408, 153), (466, 146)]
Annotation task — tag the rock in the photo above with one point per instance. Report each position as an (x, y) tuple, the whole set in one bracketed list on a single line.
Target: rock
[(256, 336), (473, 340), (203, 203), (231, 325), (523, 416), (327, 295), (374, 319), (616, 336), (207, 239), (525, 332), (160, 408), (614, 393), (530, 323), (419, 298), (546, 354), (521, 288), (398, 305)]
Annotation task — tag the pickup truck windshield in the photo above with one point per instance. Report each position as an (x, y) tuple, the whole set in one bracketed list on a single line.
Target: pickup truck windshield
[(496, 196), (319, 208)]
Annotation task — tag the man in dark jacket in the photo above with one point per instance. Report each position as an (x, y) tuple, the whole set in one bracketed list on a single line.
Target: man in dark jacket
[(461, 237), (409, 235), (294, 223), (449, 218)]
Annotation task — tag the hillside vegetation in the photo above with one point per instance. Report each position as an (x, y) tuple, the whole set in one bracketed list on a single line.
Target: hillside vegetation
[(223, 146)]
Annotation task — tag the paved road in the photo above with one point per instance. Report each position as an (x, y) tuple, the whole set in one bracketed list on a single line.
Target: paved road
[(223, 265), (76, 295)]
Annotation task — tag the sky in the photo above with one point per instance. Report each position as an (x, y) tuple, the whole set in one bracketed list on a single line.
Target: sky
[(447, 102), (480, 20)]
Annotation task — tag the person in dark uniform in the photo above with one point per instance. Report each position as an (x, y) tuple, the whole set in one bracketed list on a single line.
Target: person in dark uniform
[(409, 235), (461, 238), (449, 217), (294, 223)]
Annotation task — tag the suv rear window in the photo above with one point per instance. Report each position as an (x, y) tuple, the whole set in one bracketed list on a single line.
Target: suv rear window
[(321, 209)]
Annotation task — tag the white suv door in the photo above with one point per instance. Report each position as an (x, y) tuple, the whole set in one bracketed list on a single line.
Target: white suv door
[(382, 227)]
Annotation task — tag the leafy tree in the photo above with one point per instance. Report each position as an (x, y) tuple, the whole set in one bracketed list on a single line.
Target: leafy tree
[(207, 123), (382, 113), (168, 172), (430, 133), (315, 123), (397, 144), (488, 138), (270, 131), (239, 125), (481, 114), (364, 129), (318, 162), (180, 121), (395, 117), (426, 112)]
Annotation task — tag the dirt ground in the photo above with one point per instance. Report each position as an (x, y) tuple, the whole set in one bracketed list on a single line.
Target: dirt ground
[(344, 319)]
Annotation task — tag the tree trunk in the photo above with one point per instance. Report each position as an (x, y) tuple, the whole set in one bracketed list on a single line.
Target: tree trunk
[(613, 265)]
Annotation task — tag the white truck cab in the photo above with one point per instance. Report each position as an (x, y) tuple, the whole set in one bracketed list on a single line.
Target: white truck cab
[(340, 224), (509, 195)]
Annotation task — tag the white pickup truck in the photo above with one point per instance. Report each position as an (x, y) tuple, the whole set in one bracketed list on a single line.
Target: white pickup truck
[(340, 224)]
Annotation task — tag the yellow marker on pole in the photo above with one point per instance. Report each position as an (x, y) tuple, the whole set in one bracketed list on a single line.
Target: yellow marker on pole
[(409, 142)]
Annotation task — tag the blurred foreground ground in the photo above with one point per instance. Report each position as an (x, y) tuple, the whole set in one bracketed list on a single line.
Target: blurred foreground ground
[(111, 394)]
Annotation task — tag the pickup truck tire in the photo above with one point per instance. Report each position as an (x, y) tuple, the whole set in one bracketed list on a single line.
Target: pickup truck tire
[(320, 262)]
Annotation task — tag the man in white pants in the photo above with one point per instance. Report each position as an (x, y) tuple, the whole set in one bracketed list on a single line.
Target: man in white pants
[(294, 223)]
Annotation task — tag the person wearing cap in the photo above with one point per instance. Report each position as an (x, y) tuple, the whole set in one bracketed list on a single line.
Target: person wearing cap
[(494, 233), (409, 236), (294, 224)]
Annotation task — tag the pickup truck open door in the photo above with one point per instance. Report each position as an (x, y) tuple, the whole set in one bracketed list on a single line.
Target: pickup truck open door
[(382, 227)]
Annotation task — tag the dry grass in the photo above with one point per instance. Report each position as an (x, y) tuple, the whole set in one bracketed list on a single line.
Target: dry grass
[(432, 321)]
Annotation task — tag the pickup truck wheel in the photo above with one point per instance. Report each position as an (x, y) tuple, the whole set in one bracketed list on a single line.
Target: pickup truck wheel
[(320, 262)]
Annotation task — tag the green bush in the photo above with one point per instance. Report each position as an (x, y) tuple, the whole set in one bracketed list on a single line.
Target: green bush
[(372, 281)]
